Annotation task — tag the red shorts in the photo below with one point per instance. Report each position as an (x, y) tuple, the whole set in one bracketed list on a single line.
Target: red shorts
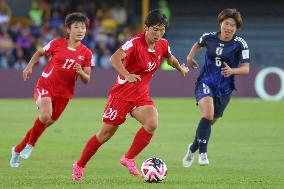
[(117, 109), (58, 103), (41, 92)]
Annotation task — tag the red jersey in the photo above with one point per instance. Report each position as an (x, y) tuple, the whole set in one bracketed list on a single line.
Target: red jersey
[(139, 60), (59, 76)]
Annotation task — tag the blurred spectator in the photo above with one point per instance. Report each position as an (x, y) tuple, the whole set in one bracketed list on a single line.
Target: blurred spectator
[(56, 20), (163, 4), (109, 24), (15, 30), (6, 42), (36, 14), (5, 12), (6, 48), (119, 14), (20, 62), (46, 8), (35, 29), (103, 11), (126, 34), (25, 42), (107, 31), (6, 58), (104, 62)]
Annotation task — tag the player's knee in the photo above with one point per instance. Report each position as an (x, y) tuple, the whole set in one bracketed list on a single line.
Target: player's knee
[(214, 120), (208, 116), (50, 122), (45, 117), (151, 126)]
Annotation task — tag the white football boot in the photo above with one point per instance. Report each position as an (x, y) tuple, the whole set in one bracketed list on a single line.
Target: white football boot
[(15, 159), (203, 159), (26, 152), (188, 158)]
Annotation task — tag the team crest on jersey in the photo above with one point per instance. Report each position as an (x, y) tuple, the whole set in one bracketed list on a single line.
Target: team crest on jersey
[(151, 66), (219, 50), (81, 57)]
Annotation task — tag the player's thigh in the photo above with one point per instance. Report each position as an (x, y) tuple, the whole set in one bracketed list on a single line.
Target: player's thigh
[(220, 104), (45, 105), (147, 115), (43, 100), (203, 96), (116, 110), (206, 105), (58, 106)]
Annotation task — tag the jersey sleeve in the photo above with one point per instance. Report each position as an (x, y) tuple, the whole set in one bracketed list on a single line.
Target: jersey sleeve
[(129, 46), (49, 48), (203, 39), (167, 52), (244, 51), (89, 59)]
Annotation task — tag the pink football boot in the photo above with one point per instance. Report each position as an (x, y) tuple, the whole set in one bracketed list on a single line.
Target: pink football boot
[(130, 165), (77, 172)]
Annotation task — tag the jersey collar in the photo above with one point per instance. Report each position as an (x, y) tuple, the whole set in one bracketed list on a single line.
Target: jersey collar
[(219, 32)]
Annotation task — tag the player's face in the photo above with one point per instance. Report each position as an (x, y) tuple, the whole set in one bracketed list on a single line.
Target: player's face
[(155, 33), (77, 31), (228, 28)]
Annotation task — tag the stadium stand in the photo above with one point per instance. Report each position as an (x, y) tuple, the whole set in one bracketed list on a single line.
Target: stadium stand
[(263, 27), (24, 27)]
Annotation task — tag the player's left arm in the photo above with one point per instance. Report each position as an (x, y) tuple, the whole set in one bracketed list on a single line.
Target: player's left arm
[(244, 58), (83, 72), (227, 71), (173, 61)]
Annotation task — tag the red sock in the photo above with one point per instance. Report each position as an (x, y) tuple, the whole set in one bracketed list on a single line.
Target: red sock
[(90, 149), (141, 140), (37, 130), (22, 145)]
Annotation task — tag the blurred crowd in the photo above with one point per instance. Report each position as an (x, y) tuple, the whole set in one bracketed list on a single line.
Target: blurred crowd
[(20, 38)]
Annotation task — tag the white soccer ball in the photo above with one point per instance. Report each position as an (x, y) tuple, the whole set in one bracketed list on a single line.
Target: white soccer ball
[(154, 170)]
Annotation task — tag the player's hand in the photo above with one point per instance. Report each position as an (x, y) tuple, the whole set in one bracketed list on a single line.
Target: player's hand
[(184, 70), (226, 71), (78, 68), (132, 78), (27, 72), (192, 63)]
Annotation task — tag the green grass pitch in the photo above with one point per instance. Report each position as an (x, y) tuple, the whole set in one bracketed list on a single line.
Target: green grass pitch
[(246, 148)]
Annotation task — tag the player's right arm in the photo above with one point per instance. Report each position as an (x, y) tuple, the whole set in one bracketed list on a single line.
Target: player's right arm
[(29, 68), (190, 57), (116, 62)]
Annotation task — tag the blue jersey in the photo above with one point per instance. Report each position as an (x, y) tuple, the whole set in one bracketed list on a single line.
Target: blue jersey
[(232, 52)]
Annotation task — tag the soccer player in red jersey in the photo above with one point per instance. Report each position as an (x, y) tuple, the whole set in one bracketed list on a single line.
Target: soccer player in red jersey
[(70, 59), (136, 62)]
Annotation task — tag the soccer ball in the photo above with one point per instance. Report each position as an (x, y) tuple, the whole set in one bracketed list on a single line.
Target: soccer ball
[(154, 170)]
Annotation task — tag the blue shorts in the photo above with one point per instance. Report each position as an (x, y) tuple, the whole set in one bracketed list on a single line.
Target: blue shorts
[(220, 103)]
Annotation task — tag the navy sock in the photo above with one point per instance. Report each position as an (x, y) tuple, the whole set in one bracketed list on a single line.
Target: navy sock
[(194, 145), (203, 132)]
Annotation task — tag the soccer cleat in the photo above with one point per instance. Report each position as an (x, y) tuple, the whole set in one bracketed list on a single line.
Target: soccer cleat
[(26, 152), (77, 172), (203, 159), (15, 159), (130, 165), (188, 158)]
